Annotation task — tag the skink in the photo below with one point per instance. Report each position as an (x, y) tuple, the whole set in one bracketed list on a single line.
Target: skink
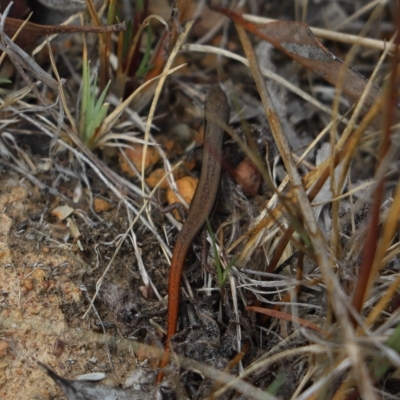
[(216, 114)]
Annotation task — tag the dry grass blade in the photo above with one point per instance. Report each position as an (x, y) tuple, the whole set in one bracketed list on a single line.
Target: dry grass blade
[(367, 270), (19, 57), (278, 135), (297, 41), (13, 97), (337, 298), (122, 74), (163, 76), (333, 35), (389, 231), (29, 33), (267, 73), (268, 360), (287, 317), (314, 180), (112, 118)]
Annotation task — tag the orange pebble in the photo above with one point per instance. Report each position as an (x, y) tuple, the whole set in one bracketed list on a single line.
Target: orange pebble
[(186, 188), (248, 177), (135, 155), (27, 285), (101, 205)]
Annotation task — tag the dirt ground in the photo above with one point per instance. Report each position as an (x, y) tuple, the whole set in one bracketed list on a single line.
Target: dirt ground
[(41, 303)]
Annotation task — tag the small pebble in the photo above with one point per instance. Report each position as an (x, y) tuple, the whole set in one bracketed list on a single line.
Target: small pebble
[(186, 188), (248, 177), (101, 205)]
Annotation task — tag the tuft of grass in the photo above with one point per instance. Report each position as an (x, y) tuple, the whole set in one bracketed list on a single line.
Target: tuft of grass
[(221, 273), (131, 63), (93, 111)]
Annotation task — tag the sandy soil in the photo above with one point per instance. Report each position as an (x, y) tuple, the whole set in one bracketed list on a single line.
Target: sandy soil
[(41, 305)]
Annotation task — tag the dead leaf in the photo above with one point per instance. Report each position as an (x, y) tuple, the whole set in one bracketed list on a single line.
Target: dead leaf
[(62, 212), (296, 40)]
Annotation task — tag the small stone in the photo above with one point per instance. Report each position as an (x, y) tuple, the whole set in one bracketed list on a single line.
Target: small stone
[(101, 205), (62, 212), (27, 285), (248, 177), (135, 155), (145, 291), (59, 347), (39, 274), (186, 188), (158, 175)]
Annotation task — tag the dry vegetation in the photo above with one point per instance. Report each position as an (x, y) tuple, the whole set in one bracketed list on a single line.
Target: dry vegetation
[(296, 295)]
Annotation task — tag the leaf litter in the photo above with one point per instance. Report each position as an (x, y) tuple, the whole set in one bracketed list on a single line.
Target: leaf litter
[(84, 293)]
